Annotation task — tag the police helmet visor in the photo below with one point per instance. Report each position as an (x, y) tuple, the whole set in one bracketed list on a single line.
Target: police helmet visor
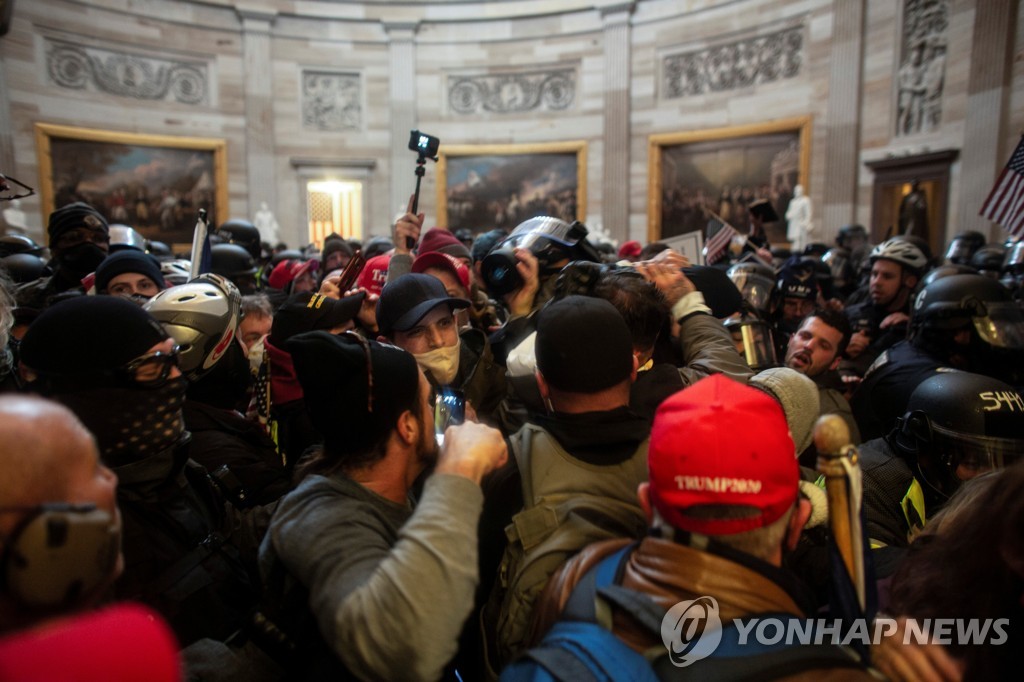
[(968, 455), (960, 251), (758, 348), (756, 289), (1001, 326)]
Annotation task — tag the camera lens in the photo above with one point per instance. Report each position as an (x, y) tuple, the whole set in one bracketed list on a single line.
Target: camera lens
[(500, 273)]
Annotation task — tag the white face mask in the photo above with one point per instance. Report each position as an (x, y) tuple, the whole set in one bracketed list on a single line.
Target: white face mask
[(441, 363)]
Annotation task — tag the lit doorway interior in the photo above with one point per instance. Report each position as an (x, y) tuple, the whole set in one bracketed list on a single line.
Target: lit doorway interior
[(334, 206)]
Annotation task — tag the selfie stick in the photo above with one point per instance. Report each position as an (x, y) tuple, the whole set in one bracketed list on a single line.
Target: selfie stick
[(421, 163)]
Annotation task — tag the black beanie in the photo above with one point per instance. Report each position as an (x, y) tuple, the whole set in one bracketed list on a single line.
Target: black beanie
[(74, 215), (583, 345), (129, 260), (333, 372), (86, 335), (335, 243)]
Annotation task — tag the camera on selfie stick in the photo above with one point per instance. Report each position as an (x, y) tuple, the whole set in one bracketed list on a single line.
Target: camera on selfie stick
[(426, 146)]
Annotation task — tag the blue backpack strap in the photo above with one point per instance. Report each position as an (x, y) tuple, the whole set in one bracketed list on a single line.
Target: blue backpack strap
[(581, 605)]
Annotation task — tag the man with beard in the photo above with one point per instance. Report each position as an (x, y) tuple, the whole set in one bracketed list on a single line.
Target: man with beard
[(815, 350), (79, 241), (370, 584), (881, 322)]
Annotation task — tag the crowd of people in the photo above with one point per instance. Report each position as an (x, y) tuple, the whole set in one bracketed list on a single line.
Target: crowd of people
[(504, 453)]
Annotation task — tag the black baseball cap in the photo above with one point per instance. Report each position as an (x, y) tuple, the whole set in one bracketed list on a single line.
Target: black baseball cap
[(405, 301)]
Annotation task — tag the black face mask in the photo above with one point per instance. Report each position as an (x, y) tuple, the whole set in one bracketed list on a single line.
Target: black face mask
[(82, 259), (131, 423)]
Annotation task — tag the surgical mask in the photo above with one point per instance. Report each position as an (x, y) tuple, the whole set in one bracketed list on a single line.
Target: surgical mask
[(441, 363)]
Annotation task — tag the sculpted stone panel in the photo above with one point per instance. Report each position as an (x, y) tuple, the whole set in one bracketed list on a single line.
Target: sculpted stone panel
[(507, 93), (760, 59), (331, 101), (79, 67), (922, 71)]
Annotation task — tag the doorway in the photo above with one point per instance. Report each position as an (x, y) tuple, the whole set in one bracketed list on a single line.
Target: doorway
[(334, 206)]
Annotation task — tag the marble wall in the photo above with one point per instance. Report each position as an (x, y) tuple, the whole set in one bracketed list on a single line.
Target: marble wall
[(299, 89)]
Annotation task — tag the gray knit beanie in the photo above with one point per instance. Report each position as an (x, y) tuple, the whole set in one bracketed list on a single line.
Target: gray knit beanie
[(798, 396)]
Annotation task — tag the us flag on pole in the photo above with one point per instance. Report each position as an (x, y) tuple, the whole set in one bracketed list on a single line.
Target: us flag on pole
[(718, 242), (1005, 204)]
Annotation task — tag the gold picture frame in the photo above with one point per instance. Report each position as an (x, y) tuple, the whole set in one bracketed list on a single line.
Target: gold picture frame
[(706, 165), (474, 181), (154, 183)]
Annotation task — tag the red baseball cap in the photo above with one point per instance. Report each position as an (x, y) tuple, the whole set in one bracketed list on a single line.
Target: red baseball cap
[(285, 272), (374, 274), (630, 249), (437, 259), (720, 442)]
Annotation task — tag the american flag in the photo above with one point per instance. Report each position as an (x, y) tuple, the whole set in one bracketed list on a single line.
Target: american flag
[(719, 242), (1005, 204)]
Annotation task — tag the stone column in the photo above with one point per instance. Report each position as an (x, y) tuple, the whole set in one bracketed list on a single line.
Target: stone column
[(402, 49), (615, 183), (842, 122), (259, 115), (983, 155)]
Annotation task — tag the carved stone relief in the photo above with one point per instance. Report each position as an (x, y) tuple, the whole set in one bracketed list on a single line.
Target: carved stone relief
[(759, 59), (922, 70), (509, 93), (79, 67), (331, 101)]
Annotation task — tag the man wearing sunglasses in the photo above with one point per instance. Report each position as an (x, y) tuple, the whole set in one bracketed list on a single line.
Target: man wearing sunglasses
[(79, 241), (120, 377)]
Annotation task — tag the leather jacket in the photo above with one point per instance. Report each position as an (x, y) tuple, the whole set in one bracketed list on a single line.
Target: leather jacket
[(668, 572)]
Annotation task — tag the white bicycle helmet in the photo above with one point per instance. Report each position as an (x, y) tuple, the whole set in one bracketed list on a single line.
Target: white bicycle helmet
[(902, 252)]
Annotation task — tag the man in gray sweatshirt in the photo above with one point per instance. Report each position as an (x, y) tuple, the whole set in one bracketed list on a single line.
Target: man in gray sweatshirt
[(373, 585)]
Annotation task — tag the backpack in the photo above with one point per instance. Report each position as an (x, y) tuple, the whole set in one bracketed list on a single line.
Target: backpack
[(567, 505), (582, 648)]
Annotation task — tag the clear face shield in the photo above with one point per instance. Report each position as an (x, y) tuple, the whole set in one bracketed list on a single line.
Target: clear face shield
[(753, 339), (756, 289), (966, 456)]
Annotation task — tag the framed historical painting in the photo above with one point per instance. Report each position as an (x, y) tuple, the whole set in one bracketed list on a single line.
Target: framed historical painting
[(500, 186), (154, 183), (708, 175)]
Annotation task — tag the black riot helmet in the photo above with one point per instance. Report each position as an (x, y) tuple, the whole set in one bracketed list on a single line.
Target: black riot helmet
[(963, 246), (243, 233), (852, 237), (844, 273), (959, 425), (756, 282), (23, 267), (18, 243), (236, 264), (984, 307), (945, 271), (988, 260)]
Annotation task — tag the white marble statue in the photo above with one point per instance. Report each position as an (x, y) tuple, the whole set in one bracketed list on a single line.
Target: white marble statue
[(15, 218), (266, 223), (798, 214)]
